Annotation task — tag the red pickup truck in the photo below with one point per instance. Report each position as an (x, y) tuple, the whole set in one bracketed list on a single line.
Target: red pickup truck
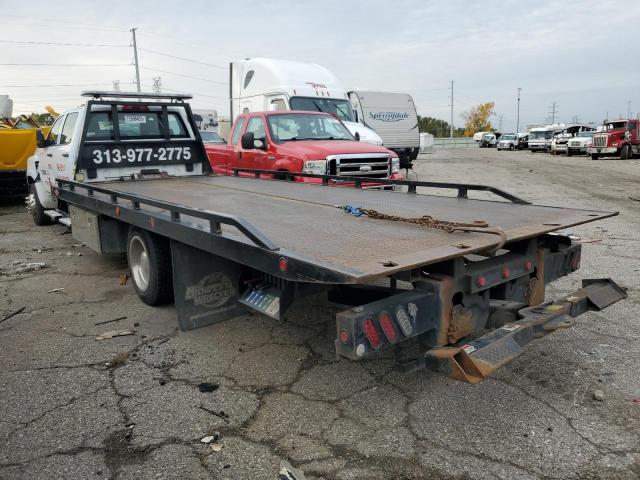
[(306, 142)]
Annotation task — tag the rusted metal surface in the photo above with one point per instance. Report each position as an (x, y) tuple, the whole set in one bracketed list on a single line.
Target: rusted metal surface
[(461, 324), (303, 221), (536, 284), (475, 360)]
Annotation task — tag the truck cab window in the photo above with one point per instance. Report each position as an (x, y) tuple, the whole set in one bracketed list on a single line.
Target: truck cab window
[(235, 137), (278, 105), (256, 125), (56, 129), (67, 131), (176, 127), (100, 126), (248, 77)]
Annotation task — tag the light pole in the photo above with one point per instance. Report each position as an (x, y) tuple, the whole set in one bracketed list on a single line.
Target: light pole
[(518, 121)]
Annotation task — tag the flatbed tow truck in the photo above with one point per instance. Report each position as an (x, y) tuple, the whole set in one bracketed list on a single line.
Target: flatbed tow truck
[(465, 276)]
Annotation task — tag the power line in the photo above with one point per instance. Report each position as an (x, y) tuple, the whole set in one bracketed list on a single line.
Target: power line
[(182, 75), (65, 64), (29, 42), (61, 85), (183, 58)]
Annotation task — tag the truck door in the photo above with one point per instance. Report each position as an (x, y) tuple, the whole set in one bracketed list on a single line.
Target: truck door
[(47, 164), (234, 148), (254, 158), (64, 157)]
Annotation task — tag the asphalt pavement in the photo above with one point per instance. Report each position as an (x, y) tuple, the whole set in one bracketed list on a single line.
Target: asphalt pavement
[(137, 406)]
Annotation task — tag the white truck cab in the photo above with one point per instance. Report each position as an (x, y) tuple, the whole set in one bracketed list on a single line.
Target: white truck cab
[(114, 136), (267, 84)]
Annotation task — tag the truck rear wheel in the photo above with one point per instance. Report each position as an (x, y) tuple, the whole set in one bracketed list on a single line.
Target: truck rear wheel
[(149, 258), (625, 153), (595, 156), (36, 208)]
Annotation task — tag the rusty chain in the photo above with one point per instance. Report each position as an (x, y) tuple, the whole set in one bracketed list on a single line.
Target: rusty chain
[(480, 226)]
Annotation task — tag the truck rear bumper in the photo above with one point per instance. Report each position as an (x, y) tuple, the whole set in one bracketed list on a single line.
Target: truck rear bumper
[(474, 361)]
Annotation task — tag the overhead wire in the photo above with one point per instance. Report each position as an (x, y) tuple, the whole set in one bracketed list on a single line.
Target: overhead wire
[(183, 58), (66, 44), (182, 75)]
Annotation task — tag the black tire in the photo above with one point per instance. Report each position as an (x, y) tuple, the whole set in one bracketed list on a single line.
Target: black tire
[(511, 147), (37, 210), (595, 156), (569, 152), (158, 272), (625, 152)]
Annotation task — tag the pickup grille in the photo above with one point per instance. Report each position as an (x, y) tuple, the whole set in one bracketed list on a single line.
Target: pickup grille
[(574, 143), (360, 165), (600, 140)]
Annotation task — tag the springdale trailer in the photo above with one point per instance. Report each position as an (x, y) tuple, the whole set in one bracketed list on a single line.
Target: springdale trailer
[(469, 279), (394, 117)]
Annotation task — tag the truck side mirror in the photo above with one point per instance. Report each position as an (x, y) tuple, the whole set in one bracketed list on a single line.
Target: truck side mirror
[(259, 144), (357, 135), (40, 140), (247, 141)]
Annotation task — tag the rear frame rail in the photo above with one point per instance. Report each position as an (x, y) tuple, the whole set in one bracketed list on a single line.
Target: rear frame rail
[(412, 186)]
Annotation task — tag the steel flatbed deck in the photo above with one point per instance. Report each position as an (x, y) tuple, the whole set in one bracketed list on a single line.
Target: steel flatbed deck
[(301, 221)]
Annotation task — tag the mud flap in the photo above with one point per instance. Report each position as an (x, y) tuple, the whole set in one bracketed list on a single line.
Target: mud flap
[(475, 360), (205, 287)]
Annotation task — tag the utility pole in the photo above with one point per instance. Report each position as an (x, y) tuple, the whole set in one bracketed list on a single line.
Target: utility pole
[(135, 58), (518, 121), (451, 124), (116, 86), (157, 85), (554, 110), (500, 117)]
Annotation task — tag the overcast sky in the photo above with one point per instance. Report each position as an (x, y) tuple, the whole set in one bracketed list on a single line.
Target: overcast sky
[(584, 55)]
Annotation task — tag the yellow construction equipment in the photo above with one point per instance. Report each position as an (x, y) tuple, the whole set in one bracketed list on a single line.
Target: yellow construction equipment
[(17, 144)]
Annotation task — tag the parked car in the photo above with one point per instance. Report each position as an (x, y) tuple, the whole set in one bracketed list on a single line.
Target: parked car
[(489, 140), (508, 141), (305, 142), (523, 141), (211, 137), (579, 144)]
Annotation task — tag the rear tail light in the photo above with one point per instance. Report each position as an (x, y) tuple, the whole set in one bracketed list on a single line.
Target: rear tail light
[(481, 282), (388, 327), (403, 320), (344, 336), (372, 334)]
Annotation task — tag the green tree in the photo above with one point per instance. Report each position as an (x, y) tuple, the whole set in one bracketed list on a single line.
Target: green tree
[(477, 119), (434, 126)]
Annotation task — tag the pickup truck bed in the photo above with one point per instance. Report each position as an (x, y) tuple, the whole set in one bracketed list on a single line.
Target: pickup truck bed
[(302, 220)]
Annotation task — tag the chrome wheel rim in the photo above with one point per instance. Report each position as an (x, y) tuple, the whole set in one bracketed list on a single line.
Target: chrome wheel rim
[(139, 263)]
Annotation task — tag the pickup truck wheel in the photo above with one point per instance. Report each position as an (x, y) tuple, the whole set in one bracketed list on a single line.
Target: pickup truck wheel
[(625, 153), (595, 156), (35, 207), (569, 152), (149, 258)]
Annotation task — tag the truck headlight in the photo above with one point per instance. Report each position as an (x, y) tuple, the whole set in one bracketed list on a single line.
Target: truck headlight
[(395, 165), (315, 166)]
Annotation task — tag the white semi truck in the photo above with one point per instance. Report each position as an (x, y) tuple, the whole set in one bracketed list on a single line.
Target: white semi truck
[(267, 84)]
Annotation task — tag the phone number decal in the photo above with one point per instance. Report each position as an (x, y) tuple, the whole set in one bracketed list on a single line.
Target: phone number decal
[(117, 156)]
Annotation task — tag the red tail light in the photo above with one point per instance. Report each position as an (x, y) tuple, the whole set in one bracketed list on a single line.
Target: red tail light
[(135, 108), (388, 327), (283, 264), (528, 265), (506, 273), (371, 332), (344, 336), (481, 282)]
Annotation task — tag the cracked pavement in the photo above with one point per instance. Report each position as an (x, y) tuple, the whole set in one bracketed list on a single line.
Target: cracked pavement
[(131, 407)]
